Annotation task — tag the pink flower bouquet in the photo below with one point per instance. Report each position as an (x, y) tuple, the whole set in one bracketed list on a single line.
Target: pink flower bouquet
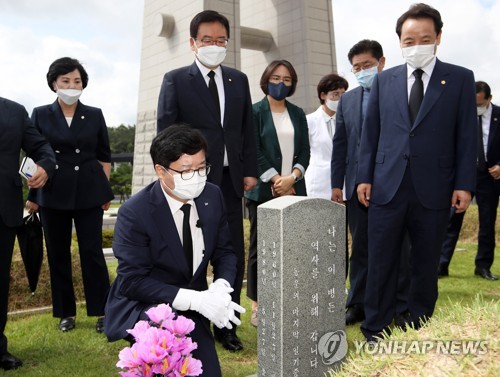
[(162, 347)]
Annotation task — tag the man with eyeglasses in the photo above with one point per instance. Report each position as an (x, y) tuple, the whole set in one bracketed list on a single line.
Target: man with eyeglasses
[(165, 237), (417, 158), (367, 59), (215, 99)]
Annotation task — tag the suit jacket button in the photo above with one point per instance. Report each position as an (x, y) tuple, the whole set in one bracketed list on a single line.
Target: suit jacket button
[(77, 150), (77, 168)]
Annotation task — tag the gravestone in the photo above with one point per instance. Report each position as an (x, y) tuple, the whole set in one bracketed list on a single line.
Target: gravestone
[(301, 287)]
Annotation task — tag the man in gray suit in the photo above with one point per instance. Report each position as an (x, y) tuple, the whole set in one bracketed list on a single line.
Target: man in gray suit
[(367, 59), (17, 133)]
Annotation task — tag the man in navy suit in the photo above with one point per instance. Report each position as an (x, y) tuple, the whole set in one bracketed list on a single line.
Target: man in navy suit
[(487, 189), (367, 59), (151, 242), (417, 158), (216, 100), (17, 133)]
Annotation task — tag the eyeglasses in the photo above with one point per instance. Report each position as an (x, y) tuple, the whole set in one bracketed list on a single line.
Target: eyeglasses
[(356, 68), (334, 95), (221, 42), (275, 79), (188, 174)]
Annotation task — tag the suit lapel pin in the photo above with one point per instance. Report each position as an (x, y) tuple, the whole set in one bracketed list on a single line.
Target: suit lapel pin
[(230, 80), (83, 116), (443, 82), (206, 203)]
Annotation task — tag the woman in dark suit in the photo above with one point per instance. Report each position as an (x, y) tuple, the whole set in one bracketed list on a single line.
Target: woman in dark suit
[(282, 153), (79, 191)]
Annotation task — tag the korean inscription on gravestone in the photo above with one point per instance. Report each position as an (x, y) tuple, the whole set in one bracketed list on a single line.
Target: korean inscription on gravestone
[(301, 266)]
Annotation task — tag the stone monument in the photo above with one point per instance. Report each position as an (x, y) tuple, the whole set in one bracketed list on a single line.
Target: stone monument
[(301, 287)]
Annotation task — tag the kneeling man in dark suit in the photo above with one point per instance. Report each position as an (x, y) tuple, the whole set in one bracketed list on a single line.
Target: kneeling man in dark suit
[(164, 238)]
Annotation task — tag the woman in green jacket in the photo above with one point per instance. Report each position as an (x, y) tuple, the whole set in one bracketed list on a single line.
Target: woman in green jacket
[(282, 153)]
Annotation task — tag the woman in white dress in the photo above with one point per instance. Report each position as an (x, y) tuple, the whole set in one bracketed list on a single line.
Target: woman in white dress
[(321, 126)]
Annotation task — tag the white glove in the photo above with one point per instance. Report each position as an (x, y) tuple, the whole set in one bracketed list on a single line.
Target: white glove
[(221, 286), (211, 305), (231, 315)]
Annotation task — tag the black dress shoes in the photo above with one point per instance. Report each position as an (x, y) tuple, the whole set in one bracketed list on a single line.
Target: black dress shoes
[(8, 361), (402, 319), (485, 273), (229, 341), (354, 314), (67, 324), (99, 326), (442, 271)]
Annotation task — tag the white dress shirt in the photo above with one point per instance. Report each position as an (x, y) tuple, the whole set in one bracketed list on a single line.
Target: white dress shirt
[(196, 232), (220, 90), (318, 174), (486, 121), (426, 76)]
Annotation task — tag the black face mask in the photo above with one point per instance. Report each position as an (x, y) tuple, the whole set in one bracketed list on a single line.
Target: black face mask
[(278, 91)]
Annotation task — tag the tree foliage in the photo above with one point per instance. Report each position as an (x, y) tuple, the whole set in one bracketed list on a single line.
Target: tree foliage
[(121, 138)]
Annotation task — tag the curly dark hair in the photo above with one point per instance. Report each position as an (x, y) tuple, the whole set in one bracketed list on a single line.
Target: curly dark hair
[(63, 66)]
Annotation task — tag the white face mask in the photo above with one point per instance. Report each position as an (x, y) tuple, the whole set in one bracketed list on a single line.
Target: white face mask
[(187, 189), (481, 110), (211, 56), (332, 105), (418, 56), (366, 76), (69, 96)]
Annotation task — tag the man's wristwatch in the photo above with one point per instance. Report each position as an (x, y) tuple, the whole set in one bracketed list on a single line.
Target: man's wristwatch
[(295, 178)]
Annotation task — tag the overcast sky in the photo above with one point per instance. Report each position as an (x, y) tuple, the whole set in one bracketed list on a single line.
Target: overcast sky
[(471, 35), (105, 35)]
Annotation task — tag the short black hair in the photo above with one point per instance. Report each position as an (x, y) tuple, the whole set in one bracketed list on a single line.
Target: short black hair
[(482, 87), (174, 141), (419, 11), (331, 82), (63, 66), (207, 16), (366, 45), (269, 71)]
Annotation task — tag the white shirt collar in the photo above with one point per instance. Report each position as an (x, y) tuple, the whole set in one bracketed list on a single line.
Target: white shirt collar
[(174, 204), (204, 70), (489, 110), (427, 69), (325, 115)]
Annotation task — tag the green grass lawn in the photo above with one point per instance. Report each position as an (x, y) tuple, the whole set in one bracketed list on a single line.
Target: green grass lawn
[(46, 351), (82, 352)]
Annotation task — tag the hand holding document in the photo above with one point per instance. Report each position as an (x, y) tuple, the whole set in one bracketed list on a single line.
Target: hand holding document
[(28, 168)]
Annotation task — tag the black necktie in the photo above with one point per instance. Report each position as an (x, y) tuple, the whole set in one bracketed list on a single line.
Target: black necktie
[(481, 159), (187, 239), (416, 95), (212, 86)]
